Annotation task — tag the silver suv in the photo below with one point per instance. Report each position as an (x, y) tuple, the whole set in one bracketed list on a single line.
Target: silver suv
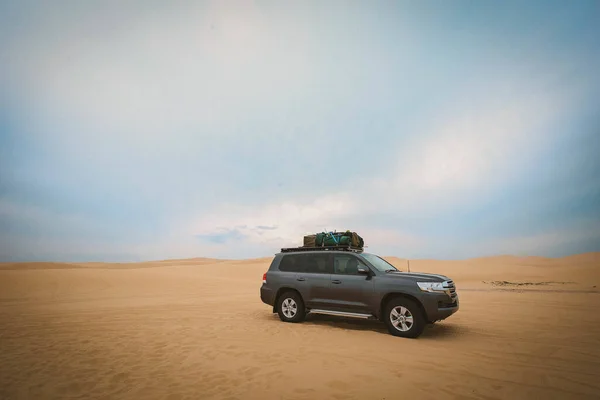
[(351, 283)]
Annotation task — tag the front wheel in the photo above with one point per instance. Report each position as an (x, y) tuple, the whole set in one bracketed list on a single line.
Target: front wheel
[(290, 307), (404, 318)]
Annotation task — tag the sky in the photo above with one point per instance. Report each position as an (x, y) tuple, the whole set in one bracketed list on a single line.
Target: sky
[(147, 130)]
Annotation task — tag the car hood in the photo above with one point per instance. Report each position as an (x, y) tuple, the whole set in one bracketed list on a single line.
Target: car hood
[(417, 276)]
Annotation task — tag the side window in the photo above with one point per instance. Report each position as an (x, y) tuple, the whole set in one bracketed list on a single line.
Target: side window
[(317, 263), (292, 263), (345, 264)]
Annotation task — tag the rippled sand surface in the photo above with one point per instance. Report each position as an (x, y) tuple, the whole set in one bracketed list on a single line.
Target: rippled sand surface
[(528, 328)]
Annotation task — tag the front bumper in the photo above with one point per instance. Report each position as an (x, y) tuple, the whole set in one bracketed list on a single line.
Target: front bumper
[(439, 306)]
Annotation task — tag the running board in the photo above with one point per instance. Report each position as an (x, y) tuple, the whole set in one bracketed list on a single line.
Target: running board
[(341, 313)]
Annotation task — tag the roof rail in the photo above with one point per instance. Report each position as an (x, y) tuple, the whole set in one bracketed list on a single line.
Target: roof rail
[(322, 248)]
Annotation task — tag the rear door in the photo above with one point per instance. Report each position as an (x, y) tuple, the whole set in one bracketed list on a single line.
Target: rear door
[(350, 291), (289, 268), (314, 280)]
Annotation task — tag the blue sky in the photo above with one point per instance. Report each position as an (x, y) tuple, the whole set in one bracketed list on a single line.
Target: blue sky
[(150, 130)]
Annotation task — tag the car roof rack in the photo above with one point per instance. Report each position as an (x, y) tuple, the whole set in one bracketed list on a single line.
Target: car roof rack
[(323, 248)]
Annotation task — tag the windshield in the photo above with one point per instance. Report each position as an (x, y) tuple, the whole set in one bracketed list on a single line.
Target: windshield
[(378, 262)]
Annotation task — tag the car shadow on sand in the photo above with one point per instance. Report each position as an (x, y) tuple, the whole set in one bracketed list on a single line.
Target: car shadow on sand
[(437, 331)]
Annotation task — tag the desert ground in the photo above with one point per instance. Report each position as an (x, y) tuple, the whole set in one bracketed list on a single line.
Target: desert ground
[(528, 328)]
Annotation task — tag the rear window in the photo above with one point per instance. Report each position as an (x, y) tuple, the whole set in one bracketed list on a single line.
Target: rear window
[(291, 263), (310, 263)]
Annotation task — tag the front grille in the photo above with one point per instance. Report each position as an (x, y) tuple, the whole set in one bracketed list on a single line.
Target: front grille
[(451, 289)]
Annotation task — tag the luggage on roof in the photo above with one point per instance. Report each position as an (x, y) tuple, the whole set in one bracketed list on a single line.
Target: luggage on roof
[(328, 239), (321, 248)]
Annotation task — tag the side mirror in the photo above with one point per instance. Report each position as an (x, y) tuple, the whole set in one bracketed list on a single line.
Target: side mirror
[(363, 270)]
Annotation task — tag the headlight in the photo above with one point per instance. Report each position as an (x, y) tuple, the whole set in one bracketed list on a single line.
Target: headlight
[(431, 286)]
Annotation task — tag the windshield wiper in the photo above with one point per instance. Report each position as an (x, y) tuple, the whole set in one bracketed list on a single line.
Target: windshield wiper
[(390, 270)]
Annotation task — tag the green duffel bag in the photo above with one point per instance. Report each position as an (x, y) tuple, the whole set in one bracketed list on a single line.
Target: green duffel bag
[(329, 241), (337, 239), (319, 239), (345, 240)]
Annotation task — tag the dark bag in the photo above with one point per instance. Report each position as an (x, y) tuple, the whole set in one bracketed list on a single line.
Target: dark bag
[(357, 241), (310, 240)]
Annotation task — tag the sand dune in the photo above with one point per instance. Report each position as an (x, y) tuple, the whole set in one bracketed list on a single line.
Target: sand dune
[(581, 271), (196, 329)]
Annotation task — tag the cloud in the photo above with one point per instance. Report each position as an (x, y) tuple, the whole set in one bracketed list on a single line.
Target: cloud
[(21, 218), (472, 149), (470, 153), (221, 236), (583, 237), (285, 223), (268, 228), (156, 73)]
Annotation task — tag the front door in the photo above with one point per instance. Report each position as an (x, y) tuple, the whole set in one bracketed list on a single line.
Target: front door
[(350, 291)]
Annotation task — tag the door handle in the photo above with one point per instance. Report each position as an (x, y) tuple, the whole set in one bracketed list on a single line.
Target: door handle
[(300, 279), (336, 281)]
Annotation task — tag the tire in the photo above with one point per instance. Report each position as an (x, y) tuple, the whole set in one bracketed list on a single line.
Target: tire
[(413, 323), (290, 307)]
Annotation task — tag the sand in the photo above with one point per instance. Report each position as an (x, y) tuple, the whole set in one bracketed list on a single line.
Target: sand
[(196, 329)]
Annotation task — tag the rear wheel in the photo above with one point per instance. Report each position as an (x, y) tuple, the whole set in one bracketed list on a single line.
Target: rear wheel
[(404, 318), (290, 307)]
